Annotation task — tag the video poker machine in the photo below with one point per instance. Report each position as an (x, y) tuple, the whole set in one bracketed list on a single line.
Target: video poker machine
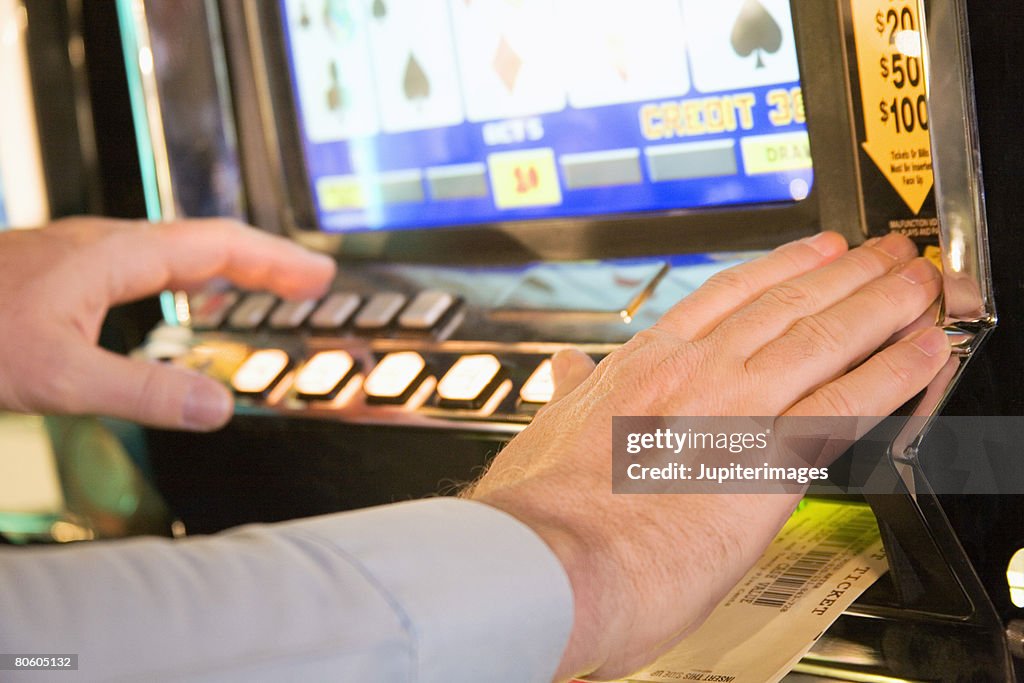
[(501, 179)]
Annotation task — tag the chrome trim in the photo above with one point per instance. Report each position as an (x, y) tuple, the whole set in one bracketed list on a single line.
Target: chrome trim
[(956, 160), (144, 62), (968, 311)]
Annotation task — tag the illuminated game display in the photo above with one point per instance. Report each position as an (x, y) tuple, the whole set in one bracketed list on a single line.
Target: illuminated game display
[(429, 113)]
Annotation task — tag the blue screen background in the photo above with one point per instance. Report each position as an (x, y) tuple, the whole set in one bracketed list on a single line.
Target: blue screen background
[(571, 130)]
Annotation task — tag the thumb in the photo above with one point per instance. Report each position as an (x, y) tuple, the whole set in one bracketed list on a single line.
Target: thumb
[(154, 394), (569, 367)]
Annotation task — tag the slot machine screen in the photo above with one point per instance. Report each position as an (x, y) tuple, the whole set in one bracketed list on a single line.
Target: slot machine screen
[(419, 114)]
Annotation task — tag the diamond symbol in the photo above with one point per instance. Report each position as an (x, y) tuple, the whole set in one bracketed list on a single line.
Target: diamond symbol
[(507, 64)]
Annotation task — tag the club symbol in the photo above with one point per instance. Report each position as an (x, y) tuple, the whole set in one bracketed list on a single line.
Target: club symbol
[(335, 93), (756, 32), (380, 9)]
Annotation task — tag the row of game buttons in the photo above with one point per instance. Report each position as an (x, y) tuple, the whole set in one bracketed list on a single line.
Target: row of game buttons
[(246, 312), (470, 383)]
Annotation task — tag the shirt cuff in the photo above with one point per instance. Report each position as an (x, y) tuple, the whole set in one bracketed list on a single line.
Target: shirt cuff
[(481, 595)]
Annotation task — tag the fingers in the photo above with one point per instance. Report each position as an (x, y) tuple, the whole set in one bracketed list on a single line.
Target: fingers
[(820, 347), (884, 382), (781, 306), (730, 290), (930, 318), (569, 368), (144, 261), (155, 394)]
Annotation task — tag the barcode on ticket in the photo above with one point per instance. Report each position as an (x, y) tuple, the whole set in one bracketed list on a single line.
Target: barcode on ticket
[(846, 540)]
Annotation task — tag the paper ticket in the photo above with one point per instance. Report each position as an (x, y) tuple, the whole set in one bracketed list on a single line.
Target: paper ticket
[(827, 554)]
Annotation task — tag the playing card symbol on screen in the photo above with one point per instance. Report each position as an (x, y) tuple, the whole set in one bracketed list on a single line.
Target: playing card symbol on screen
[(380, 10), (756, 32), (416, 85), (335, 93), (507, 64)]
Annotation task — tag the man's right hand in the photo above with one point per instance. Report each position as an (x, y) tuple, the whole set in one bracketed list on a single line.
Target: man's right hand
[(796, 332)]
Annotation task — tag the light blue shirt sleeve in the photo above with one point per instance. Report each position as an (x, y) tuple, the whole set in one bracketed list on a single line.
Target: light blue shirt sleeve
[(441, 590)]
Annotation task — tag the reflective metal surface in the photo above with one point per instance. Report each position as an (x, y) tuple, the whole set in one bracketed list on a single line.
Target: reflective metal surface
[(957, 165)]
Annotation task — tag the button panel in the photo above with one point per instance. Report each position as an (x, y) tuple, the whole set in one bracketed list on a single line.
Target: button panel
[(253, 310), (209, 310), (324, 375), (291, 314), (396, 378), (380, 310), (335, 311), (436, 377), (426, 310), (540, 387), (470, 381), (261, 372)]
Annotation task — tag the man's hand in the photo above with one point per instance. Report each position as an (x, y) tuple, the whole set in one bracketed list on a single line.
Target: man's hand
[(57, 283), (796, 332)]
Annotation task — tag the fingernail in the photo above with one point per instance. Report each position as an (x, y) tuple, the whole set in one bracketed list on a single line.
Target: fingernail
[(208, 405), (824, 243), (918, 272), (894, 245), (931, 342)]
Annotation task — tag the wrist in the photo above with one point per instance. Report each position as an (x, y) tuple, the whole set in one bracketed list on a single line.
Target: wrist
[(588, 563)]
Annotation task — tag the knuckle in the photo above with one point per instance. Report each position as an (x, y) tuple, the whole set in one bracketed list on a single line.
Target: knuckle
[(836, 399), (652, 338), (797, 255), (869, 263), (899, 375), (790, 295), (886, 295), (817, 336), (732, 281)]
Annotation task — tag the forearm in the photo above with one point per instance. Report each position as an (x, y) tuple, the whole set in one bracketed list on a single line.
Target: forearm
[(429, 591)]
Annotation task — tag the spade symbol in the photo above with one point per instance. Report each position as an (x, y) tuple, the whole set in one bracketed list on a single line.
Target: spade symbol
[(755, 31), (380, 10), (416, 84)]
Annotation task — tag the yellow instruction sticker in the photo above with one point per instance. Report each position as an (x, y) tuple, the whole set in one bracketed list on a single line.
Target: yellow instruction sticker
[(894, 95)]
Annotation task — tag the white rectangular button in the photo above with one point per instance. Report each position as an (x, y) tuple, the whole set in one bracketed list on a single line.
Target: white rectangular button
[(469, 378), (290, 314), (394, 377), (380, 310), (426, 310), (260, 371), (541, 385), (207, 310), (335, 311), (252, 311), (324, 374)]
